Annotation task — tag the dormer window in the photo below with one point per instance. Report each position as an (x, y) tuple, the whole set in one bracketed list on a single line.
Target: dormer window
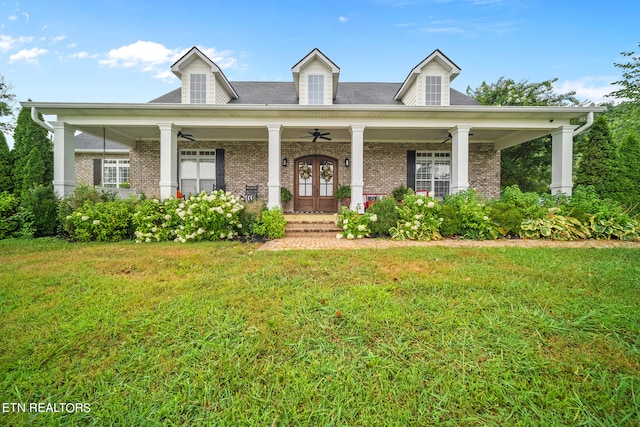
[(198, 88), (433, 90), (316, 89)]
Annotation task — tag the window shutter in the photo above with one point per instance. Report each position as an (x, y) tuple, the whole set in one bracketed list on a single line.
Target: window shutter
[(97, 171), (220, 184), (411, 169)]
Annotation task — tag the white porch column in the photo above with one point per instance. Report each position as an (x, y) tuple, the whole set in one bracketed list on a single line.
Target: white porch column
[(275, 162), (459, 158), (357, 168), (562, 160), (64, 169), (168, 160)]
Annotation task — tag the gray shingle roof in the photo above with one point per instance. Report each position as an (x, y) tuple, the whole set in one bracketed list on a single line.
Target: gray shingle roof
[(355, 93), (85, 141)]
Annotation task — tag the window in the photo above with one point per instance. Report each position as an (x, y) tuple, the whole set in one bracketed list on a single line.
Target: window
[(198, 88), (433, 90), (115, 172), (433, 173), (197, 171), (316, 89)]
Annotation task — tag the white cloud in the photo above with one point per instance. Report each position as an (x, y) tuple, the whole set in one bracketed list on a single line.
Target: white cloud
[(12, 18), (28, 55), (8, 42), (592, 89), (141, 54), (83, 55), (343, 19), (148, 56)]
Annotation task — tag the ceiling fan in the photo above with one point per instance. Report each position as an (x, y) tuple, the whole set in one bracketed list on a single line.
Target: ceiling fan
[(317, 134), (186, 136)]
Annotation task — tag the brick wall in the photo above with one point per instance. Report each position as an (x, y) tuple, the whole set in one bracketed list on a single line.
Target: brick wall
[(246, 163)]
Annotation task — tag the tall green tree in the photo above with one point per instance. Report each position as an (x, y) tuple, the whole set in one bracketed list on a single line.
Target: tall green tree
[(627, 190), (6, 166), (630, 83), (526, 165), (32, 154), (7, 100), (598, 163)]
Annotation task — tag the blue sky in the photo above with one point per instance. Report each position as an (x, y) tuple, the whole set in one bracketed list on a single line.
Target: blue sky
[(121, 51)]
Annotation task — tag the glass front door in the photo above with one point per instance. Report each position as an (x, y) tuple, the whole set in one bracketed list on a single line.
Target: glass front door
[(315, 184)]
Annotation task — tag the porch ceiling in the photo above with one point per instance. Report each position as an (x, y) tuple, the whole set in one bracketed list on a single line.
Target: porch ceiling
[(128, 123)]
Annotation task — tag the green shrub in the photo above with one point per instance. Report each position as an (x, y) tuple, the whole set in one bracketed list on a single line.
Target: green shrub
[(201, 217), (531, 205), (271, 224), (507, 217), (249, 216), (553, 226), (353, 224), (9, 219), (465, 214), (39, 209), (102, 222), (419, 219), (156, 221), (400, 192), (387, 215)]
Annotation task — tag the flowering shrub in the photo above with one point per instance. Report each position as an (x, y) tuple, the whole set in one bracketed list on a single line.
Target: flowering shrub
[(354, 225), (209, 217), (203, 217), (102, 222), (419, 218), (156, 221)]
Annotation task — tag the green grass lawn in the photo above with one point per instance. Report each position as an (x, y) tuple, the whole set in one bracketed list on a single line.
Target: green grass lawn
[(222, 334)]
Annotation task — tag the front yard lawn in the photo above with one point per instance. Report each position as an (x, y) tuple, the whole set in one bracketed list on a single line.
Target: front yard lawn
[(220, 334)]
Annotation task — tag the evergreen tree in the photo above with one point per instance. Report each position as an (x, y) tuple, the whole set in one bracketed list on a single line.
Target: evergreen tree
[(31, 141), (598, 162), (628, 182), (6, 166)]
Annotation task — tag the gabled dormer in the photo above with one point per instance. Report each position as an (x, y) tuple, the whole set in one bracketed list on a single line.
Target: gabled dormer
[(429, 82), (203, 82), (315, 78)]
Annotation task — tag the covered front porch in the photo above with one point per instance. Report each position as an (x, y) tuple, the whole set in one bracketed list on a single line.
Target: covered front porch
[(368, 148)]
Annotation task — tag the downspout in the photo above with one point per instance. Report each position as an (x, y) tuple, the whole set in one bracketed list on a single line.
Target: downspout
[(36, 119), (586, 126)]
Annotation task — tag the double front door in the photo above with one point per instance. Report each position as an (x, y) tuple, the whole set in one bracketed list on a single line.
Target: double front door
[(315, 184)]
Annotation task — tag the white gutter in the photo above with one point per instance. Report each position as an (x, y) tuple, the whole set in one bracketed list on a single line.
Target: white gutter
[(586, 126), (36, 119)]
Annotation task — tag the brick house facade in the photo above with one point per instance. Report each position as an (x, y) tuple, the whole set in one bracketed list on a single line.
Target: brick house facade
[(309, 135)]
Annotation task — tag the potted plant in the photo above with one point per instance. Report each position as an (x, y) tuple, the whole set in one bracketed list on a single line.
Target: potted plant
[(343, 193), (285, 198)]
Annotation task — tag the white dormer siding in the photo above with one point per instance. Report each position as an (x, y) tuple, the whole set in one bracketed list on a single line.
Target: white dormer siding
[(202, 80), (316, 79), (313, 77), (429, 83)]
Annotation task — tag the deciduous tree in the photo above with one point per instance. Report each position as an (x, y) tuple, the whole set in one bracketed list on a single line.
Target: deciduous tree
[(527, 165)]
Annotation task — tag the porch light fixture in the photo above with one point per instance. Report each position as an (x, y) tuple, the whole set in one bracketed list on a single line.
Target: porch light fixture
[(285, 162), (347, 162)]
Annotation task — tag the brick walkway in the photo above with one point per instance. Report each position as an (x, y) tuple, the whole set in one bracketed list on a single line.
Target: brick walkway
[(297, 243)]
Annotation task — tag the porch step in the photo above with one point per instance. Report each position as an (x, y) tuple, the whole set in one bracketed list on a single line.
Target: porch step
[(311, 225)]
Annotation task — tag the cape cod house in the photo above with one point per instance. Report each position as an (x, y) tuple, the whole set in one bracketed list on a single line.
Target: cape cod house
[(309, 135)]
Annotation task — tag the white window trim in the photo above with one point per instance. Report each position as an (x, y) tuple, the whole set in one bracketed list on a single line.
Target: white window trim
[(432, 97), (320, 93), (198, 156), (119, 165), (433, 156), (202, 99)]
